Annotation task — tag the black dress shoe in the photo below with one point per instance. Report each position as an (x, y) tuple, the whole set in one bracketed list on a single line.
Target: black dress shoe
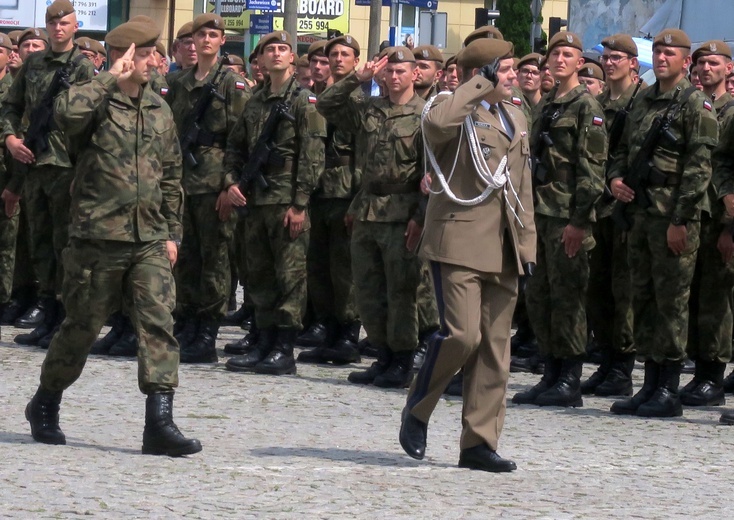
[(413, 434), (483, 458)]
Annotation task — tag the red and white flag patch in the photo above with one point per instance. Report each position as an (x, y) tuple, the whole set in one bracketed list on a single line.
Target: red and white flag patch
[(707, 105), (239, 85), (164, 91), (516, 101), (597, 121), (312, 99)]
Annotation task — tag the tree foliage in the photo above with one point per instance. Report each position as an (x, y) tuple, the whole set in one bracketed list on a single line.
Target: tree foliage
[(515, 22)]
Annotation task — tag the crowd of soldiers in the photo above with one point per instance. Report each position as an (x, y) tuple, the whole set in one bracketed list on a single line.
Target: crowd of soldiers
[(306, 183)]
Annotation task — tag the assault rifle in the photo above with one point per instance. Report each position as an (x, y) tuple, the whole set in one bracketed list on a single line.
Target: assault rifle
[(641, 172), (615, 130), (542, 143), (191, 136)]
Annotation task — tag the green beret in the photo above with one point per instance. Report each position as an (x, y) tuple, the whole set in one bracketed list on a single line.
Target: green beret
[(14, 35), (211, 20), (482, 51), (160, 48), (488, 31), (399, 54), (565, 39), (622, 43), (59, 9), (84, 43), (5, 41), (532, 58), (346, 40), (253, 55), (185, 31), (140, 33), (592, 70), (672, 38), (33, 33), (316, 48), (449, 62), (233, 59), (428, 53), (302, 61), (275, 37), (712, 48)]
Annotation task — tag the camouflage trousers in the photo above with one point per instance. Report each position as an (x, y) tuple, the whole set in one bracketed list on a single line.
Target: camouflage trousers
[(48, 202), (661, 283), (428, 320), (99, 274), (276, 267), (202, 271), (8, 240), (240, 260), (386, 278), (329, 263), (24, 276), (710, 304), (556, 294), (609, 297)]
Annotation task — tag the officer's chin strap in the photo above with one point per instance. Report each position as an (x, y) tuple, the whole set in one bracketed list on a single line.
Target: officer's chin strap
[(499, 179)]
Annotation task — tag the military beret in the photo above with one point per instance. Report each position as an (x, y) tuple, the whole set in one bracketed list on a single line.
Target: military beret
[(428, 53), (710, 48), (142, 18), (160, 48), (185, 31), (622, 43), (480, 52), (672, 38), (59, 9), (254, 54), (233, 59), (302, 61), (5, 41), (275, 37), (399, 54), (33, 33), (592, 70), (565, 39), (99, 47), (13, 35), (488, 31), (515, 62), (211, 20), (140, 33), (346, 40), (316, 48), (84, 43), (383, 53), (533, 58), (449, 62)]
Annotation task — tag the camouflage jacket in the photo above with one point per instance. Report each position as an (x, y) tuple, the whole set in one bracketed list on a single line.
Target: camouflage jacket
[(605, 206), (158, 83), (27, 91), (341, 178), (127, 184), (686, 164), (4, 175), (389, 147), (577, 158), (218, 121), (299, 144), (518, 99), (721, 182)]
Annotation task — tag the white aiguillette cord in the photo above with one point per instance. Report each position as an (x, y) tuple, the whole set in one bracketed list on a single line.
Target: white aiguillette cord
[(499, 179)]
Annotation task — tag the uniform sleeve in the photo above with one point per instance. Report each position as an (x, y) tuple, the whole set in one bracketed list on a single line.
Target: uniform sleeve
[(237, 94), (445, 118), (722, 162), (312, 137), (172, 204), (74, 108), (339, 107), (14, 105), (592, 153), (235, 154)]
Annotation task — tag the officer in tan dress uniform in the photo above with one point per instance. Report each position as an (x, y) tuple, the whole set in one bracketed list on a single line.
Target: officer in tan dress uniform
[(479, 237)]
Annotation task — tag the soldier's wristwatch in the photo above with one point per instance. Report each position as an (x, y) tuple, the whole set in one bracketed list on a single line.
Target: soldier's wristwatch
[(678, 221)]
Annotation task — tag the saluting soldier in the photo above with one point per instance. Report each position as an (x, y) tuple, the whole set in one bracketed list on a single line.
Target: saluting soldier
[(126, 221), (665, 232)]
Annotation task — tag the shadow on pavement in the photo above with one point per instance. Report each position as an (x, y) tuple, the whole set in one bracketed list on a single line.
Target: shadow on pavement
[(367, 458), (25, 438)]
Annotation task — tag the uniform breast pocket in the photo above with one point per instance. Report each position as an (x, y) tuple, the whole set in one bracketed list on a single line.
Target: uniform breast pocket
[(404, 144)]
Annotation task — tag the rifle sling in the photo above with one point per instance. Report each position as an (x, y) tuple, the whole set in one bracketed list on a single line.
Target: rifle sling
[(213, 140)]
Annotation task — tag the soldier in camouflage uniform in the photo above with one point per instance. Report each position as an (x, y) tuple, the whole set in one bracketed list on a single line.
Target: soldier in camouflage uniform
[(664, 236), (710, 320), (276, 228), (386, 213), (47, 182), (569, 179), (203, 272), (126, 221), (609, 301)]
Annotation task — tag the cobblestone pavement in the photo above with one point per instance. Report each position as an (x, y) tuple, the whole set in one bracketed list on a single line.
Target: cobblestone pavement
[(315, 446)]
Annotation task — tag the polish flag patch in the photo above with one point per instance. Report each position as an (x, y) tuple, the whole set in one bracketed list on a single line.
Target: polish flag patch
[(164, 91), (516, 101), (312, 99), (707, 105), (597, 121), (239, 85)]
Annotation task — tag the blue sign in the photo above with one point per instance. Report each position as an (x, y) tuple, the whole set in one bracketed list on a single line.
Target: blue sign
[(261, 23), (423, 4), (263, 5), (385, 3)]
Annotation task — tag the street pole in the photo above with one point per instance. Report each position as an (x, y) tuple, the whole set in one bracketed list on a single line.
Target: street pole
[(375, 38), (290, 20)]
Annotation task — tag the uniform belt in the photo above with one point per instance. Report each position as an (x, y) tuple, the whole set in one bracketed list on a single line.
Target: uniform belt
[(334, 161), (381, 189), (213, 140)]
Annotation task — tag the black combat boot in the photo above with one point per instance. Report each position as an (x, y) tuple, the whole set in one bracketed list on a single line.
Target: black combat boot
[(161, 436), (649, 385), (102, 346), (728, 383), (597, 378), (34, 315), (314, 336), (43, 413), (242, 345), (50, 308), (419, 356), (400, 372), (534, 364), (551, 373), (22, 300), (327, 330), (45, 341), (203, 349), (238, 317), (345, 349), (185, 331), (366, 348), (255, 353), (710, 390), (619, 377), (567, 390), (280, 360), (367, 377), (665, 402), (127, 345), (523, 336), (456, 385)]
